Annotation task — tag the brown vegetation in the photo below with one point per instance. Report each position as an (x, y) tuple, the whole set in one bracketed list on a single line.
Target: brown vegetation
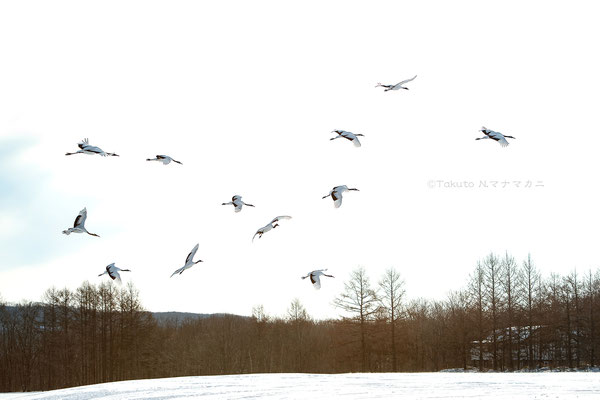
[(506, 318)]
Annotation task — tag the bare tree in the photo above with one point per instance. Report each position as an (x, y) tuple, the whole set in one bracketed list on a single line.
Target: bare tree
[(458, 305), (477, 301), (592, 287), (359, 300), (531, 281), (392, 287), (492, 273), (510, 284), (553, 319), (297, 312), (573, 287), (298, 319)]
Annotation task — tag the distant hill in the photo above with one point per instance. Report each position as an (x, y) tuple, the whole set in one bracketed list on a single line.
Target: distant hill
[(160, 317), (177, 317)]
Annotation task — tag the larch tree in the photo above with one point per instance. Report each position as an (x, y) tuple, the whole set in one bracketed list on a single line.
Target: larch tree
[(477, 304), (298, 318), (492, 272), (510, 285), (530, 282), (359, 300), (392, 293)]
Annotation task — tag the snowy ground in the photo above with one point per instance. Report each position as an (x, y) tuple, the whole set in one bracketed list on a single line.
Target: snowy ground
[(551, 385)]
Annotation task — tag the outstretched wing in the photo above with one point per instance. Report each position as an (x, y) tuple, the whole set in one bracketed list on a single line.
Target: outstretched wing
[(352, 137), (177, 271), (503, 142), (497, 136), (192, 253), (115, 276), (80, 219), (238, 205), (406, 81), (316, 281), (83, 143), (337, 198), (280, 218)]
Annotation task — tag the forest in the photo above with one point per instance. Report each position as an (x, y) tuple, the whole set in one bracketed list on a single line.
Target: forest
[(507, 317)]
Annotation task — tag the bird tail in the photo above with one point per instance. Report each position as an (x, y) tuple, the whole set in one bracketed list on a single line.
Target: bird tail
[(67, 232)]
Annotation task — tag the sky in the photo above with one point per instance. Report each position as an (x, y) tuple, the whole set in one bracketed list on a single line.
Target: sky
[(246, 95)]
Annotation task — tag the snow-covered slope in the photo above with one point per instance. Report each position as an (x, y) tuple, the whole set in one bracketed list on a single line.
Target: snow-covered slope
[(563, 385)]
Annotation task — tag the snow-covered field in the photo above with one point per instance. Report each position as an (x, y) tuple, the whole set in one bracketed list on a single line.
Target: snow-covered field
[(512, 386)]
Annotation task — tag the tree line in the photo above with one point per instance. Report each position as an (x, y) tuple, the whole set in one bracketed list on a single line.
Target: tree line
[(507, 317)]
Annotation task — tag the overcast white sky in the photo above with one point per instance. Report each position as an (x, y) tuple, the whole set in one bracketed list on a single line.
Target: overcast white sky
[(245, 94)]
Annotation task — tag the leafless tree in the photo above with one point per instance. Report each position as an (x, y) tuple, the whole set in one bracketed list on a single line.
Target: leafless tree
[(492, 269), (392, 289), (510, 286), (592, 289), (531, 281), (299, 320), (458, 306), (477, 301), (360, 301), (572, 297)]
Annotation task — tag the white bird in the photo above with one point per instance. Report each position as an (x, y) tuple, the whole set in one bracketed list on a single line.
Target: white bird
[(497, 136), (315, 277), (85, 148), (397, 85), (336, 194), (188, 261), (163, 159), (348, 135), (237, 202), (113, 272), (269, 226), (79, 224)]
